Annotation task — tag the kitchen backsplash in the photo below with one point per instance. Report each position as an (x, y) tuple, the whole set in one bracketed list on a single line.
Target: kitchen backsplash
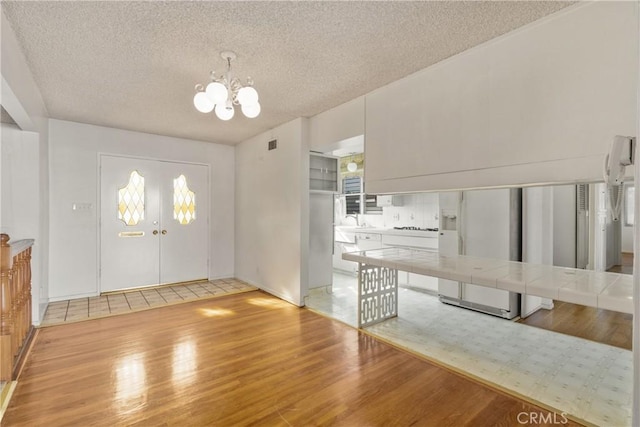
[(416, 210)]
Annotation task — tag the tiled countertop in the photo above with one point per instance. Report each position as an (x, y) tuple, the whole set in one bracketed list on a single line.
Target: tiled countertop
[(391, 231), (610, 291)]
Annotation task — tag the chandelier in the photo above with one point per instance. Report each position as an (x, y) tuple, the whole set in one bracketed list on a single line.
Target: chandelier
[(226, 91)]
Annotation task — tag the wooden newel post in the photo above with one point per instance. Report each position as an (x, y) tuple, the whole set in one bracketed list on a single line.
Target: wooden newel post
[(17, 304), (27, 291), (6, 314)]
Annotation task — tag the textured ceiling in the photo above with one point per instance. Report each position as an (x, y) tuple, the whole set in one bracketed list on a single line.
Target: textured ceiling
[(133, 65)]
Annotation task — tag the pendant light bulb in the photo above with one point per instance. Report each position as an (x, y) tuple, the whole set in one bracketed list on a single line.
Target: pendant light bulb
[(248, 96), (251, 111), (217, 92), (226, 91), (202, 103), (225, 111)]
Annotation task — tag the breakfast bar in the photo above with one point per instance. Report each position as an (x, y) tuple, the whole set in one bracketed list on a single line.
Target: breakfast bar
[(378, 280)]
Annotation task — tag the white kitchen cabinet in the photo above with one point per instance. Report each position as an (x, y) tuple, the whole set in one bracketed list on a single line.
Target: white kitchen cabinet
[(511, 111), (323, 173), (388, 200), (344, 241), (320, 239), (428, 241), (368, 241), (341, 264)]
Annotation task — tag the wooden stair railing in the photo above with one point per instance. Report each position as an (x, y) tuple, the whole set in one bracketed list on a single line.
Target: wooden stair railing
[(15, 303)]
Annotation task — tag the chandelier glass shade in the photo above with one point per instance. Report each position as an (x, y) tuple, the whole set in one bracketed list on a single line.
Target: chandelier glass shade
[(352, 166), (225, 92)]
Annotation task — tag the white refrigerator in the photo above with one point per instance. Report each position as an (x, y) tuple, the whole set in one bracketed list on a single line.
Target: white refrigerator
[(483, 223), (321, 235)]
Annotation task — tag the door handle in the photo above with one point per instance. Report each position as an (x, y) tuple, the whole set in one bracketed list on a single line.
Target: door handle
[(155, 232), (164, 231)]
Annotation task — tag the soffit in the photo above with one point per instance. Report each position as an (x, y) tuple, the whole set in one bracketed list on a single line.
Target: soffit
[(133, 65)]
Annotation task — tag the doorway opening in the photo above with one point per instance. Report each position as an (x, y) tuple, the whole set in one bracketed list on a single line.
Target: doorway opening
[(154, 222)]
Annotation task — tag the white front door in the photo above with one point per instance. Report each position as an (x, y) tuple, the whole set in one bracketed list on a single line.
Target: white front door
[(153, 222)]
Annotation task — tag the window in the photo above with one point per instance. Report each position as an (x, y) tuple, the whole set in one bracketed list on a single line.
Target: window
[(629, 205), (352, 188), (184, 201), (358, 202), (131, 200)]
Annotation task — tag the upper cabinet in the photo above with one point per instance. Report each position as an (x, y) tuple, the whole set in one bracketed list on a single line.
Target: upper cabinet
[(539, 105), (388, 200), (323, 173), (345, 121)]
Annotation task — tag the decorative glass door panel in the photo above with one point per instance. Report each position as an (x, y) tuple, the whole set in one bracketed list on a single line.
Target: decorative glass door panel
[(185, 207), (153, 222)]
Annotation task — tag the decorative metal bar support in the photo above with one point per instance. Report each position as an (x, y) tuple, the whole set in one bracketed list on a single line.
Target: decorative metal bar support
[(15, 302), (377, 294)]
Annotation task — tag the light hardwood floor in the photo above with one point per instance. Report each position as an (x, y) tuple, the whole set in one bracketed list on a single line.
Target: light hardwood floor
[(603, 326), (626, 266), (245, 359)]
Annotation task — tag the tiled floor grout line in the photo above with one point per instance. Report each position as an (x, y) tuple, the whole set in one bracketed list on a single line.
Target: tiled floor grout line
[(145, 299), (66, 312), (127, 300), (113, 308), (194, 294), (174, 291), (161, 296), (202, 288)]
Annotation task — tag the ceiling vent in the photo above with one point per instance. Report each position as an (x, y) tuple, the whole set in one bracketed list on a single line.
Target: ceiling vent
[(273, 144)]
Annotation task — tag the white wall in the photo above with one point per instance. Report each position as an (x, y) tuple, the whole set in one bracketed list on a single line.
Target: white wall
[(6, 136), (409, 210), (627, 239), (3, 192), (538, 105), (416, 210), (21, 199), (272, 216), (564, 225), (627, 231), (74, 152), (537, 238), (21, 98), (20, 186)]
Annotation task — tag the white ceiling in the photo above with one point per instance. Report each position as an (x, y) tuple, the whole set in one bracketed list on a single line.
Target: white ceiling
[(133, 65)]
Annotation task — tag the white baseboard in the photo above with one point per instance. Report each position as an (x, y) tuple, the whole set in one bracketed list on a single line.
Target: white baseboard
[(75, 296), (547, 304), (274, 292)]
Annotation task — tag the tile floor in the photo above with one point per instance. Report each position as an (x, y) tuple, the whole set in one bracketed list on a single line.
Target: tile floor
[(591, 381), (125, 302)]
